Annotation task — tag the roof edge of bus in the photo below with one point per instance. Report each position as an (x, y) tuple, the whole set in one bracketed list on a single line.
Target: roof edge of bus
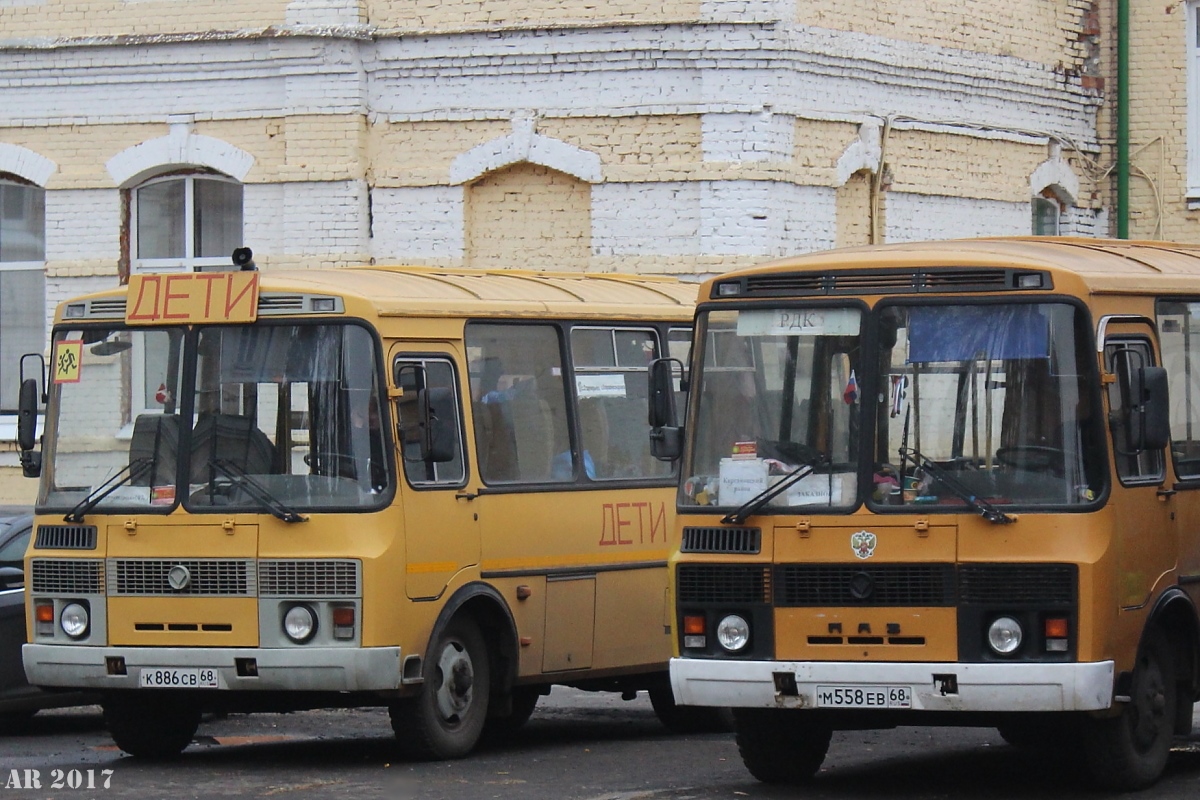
[(1032, 252)]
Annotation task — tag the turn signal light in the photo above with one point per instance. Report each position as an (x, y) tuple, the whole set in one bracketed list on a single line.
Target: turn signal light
[(44, 612), (343, 622), (1057, 631), (693, 625), (1056, 628)]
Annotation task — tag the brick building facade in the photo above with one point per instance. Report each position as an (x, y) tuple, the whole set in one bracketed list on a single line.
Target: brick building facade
[(675, 137)]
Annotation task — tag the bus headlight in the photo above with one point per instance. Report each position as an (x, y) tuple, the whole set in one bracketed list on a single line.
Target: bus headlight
[(733, 633), (1004, 635), (299, 623), (74, 620)]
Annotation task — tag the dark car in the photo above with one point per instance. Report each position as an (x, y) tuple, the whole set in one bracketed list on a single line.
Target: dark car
[(18, 700)]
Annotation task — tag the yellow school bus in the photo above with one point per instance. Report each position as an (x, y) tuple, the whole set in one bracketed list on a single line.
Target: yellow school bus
[(947, 483), (425, 489)]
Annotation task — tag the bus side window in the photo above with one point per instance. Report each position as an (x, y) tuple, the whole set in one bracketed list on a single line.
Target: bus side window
[(439, 374), (1122, 357)]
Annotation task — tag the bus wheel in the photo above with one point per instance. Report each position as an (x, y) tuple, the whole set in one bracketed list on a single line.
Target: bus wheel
[(1129, 751), (446, 719), (150, 726), (778, 746), (686, 719), (524, 701)]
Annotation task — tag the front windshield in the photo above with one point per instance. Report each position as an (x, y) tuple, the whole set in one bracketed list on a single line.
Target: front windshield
[(275, 415), (777, 389), (989, 400)]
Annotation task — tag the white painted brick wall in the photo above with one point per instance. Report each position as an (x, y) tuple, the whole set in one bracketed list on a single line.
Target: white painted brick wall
[(83, 224), (748, 137), (306, 218), (918, 217), (417, 224), (741, 218)]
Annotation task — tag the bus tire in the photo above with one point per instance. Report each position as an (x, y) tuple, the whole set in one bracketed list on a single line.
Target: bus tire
[(524, 701), (779, 746), (151, 727), (1129, 751), (445, 720), (686, 719)]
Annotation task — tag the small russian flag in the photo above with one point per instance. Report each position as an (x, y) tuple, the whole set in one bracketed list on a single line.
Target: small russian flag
[(851, 393)]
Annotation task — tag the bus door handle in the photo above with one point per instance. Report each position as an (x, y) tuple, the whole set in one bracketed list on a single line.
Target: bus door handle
[(465, 495), (1163, 494)]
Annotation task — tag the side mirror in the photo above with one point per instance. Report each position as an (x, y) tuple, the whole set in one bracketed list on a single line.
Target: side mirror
[(435, 409), (666, 437), (12, 578), (27, 408), (1154, 430)]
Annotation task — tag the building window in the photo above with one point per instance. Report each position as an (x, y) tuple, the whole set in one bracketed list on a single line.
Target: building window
[(1045, 216), (183, 222), (1192, 38), (22, 282)]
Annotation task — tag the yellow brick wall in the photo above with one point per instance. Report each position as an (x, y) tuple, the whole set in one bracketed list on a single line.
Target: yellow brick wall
[(633, 148), (63, 18), (924, 162), (80, 151), (15, 488), (1157, 124), (420, 153), (528, 216), (471, 14), (1032, 31), (854, 211)]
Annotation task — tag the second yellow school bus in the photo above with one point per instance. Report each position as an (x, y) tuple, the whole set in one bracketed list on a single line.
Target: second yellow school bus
[(420, 488), (945, 483)]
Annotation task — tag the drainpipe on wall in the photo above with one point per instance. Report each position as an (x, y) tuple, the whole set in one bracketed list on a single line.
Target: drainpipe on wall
[(1122, 119)]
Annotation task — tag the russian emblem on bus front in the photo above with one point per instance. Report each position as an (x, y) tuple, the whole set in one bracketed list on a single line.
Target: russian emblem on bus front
[(863, 544)]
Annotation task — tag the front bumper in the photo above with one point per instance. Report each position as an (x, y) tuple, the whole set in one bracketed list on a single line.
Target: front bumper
[(980, 687), (318, 669)]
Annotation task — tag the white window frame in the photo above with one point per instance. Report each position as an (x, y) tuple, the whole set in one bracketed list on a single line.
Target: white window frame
[(8, 421), (1192, 48), (190, 261)]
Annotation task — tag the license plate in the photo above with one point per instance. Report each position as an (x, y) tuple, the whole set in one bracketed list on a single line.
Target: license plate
[(179, 678), (864, 697)]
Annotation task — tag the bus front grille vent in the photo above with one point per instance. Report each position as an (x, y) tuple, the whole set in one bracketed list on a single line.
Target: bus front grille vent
[(191, 577), (722, 540), (893, 281), (67, 576), (65, 537), (310, 578), (824, 585), (109, 308), (723, 583), (1017, 584), (280, 303)]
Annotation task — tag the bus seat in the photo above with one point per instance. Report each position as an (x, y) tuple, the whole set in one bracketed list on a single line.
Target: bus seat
[(494, 443), (232, 438), (533, 432), (593, 427), (156, 437)]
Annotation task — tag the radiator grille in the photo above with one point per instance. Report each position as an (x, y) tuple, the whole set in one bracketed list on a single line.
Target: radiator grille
[(1012, 584), (858, 585), (309, 578), (67, 576), (722, 540), (886, 281), (724, 583), (206, 577), (65, 537)]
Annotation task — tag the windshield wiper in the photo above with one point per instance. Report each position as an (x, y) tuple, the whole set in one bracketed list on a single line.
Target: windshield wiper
[(985, 509), (136, 469), (256, 490), (770, 493)]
